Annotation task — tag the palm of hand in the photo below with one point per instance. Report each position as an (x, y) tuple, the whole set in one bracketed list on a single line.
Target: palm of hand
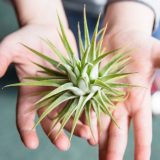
[(30, 36), (137, 107)]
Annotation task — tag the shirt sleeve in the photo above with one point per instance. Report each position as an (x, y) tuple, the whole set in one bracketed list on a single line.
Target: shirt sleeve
[(154, 5)]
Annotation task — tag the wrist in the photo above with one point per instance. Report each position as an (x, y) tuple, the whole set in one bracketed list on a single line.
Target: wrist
[(40, 12), (128, 16)]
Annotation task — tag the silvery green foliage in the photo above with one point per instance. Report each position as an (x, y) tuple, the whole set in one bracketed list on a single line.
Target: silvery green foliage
[(80, 81)]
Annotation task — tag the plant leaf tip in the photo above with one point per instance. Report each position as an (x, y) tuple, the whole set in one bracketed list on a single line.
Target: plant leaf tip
[(79, 81)]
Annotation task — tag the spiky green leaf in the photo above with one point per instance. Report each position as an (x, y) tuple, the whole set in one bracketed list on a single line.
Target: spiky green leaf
[(66, 96)]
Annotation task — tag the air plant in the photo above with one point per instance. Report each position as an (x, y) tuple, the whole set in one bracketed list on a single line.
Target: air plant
[(80, 81)]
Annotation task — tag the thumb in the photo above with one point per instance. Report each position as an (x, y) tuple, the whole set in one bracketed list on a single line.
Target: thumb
[(156, 53), (5, 58)]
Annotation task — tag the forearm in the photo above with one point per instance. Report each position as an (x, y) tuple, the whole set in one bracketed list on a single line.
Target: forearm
[(129, 15), (39, 11)]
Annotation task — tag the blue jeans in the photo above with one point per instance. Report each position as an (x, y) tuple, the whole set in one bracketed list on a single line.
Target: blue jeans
[(156, 34), (75, 17)]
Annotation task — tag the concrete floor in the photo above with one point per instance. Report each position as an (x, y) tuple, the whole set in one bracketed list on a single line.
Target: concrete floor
[(11, 147)]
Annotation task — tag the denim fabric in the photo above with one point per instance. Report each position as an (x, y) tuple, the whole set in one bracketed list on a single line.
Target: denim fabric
[(156, 34), (75, 17)]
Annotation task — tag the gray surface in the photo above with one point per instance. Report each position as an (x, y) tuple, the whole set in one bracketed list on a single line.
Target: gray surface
[(11, 147), (8, 22)]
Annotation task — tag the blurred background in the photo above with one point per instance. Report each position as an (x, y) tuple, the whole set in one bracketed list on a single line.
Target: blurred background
[(10, 143)]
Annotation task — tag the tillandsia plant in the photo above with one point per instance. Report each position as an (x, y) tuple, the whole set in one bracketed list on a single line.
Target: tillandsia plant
[(80, 81)]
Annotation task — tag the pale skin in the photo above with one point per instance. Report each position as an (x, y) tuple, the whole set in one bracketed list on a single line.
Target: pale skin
[(32, 28), (136, 31)]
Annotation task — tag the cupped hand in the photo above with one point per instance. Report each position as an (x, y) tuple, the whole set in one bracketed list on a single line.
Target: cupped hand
[(12, 52), (137, 107)]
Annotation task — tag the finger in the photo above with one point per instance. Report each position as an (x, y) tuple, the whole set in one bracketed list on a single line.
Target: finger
[(61, 142), (102, 136), (5, 59), (142, 121), (93, 140), (117, 137), (25, 118), (81, 129)]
